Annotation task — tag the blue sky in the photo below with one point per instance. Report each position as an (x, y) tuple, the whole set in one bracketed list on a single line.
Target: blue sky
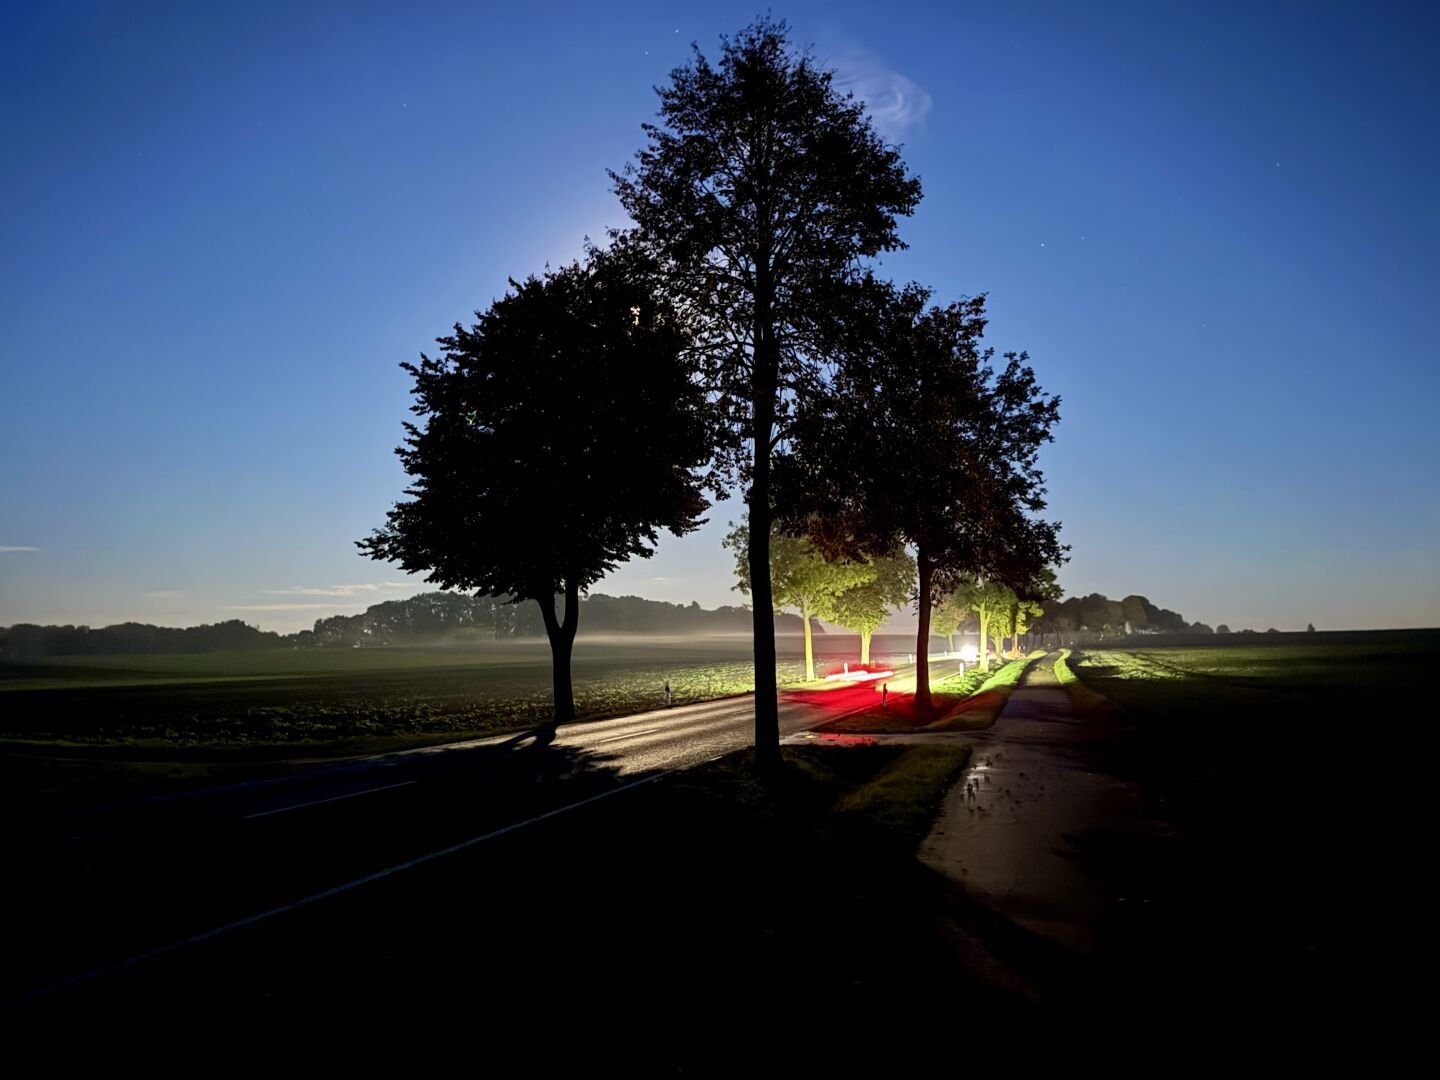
[(1214, 227)]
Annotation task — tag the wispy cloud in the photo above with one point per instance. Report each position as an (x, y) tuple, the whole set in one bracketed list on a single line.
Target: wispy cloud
[(337, 590), (17, 547), (288, 607), (895, 103)]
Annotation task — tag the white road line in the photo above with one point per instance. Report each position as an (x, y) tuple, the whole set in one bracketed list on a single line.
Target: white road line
[(304, 901), (628, 735), (333, 798)]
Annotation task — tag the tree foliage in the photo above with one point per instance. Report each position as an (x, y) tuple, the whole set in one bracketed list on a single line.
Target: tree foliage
[(759, 191), (555, 438), (863, 607), (948, 615), (923, 439), (801, 578)]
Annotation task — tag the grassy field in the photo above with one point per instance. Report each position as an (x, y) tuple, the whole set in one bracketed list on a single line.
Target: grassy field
[(1289, 770), (361, 698), (1267, 723)]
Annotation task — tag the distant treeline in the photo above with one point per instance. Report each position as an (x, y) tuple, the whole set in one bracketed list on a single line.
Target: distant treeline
[(452, 616), (25, 640), (1134, 614), (428, 618)]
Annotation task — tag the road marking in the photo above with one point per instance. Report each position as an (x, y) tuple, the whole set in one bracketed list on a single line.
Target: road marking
[(305, 901), (628, 735), (333, 798)]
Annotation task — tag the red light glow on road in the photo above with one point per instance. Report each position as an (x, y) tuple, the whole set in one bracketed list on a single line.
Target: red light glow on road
[(858, 675)]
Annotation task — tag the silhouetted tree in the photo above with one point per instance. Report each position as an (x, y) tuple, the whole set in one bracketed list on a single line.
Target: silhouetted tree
[(1222, 629), (557, 435), (760, 189), (920, 440), (1136, 611)]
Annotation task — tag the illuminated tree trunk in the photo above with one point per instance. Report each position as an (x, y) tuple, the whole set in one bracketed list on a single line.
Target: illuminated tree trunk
[(809, 645), (922, 643), (984, 644), (865, 646)]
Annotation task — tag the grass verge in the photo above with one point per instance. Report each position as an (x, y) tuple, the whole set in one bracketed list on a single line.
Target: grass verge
[(961, 703), (903, 797), (1086, 702)]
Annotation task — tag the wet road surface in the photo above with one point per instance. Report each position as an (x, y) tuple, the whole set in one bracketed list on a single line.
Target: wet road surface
[(1013, 832)]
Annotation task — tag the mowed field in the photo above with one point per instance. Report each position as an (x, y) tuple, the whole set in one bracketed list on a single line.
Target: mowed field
[(1297, 677), (366, 698), (1285, 765)]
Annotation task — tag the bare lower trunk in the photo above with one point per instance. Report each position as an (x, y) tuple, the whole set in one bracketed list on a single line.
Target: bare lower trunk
[(922, 642), (809, 646), (984, 645), (561, 632), (865, 646)]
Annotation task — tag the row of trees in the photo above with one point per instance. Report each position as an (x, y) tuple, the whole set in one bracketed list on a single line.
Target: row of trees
[(26, 640), (857, 594), (445, 616), (1100, 613), (430, 618), (735, 335)]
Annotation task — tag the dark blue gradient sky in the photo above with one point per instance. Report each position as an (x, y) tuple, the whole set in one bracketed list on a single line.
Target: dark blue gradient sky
[(1213, 225)]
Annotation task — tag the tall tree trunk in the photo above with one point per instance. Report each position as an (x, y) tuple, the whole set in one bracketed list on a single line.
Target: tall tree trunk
[(809, 645), (561, 632), (922, 642), (950, 642), (865, 646), (984, 645), (763, 378)]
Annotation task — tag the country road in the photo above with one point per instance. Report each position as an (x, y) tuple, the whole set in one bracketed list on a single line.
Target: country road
[(104, 886)]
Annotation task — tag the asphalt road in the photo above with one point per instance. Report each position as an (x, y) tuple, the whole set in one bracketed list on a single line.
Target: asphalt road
[(103, 886)]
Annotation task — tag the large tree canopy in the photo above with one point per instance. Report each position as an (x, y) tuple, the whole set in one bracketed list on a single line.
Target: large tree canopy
[(556, 436), (922, 439), (760, 190)]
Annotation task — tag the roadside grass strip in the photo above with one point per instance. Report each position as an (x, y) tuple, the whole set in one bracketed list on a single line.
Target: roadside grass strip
[(905, 795), (1086, 702), (962, 703)]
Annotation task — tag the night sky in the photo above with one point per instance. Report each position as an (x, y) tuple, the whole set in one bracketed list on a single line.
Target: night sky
[(1214, 226)]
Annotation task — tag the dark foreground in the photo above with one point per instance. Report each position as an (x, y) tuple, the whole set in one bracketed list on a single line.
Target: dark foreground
[(668, 927)]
